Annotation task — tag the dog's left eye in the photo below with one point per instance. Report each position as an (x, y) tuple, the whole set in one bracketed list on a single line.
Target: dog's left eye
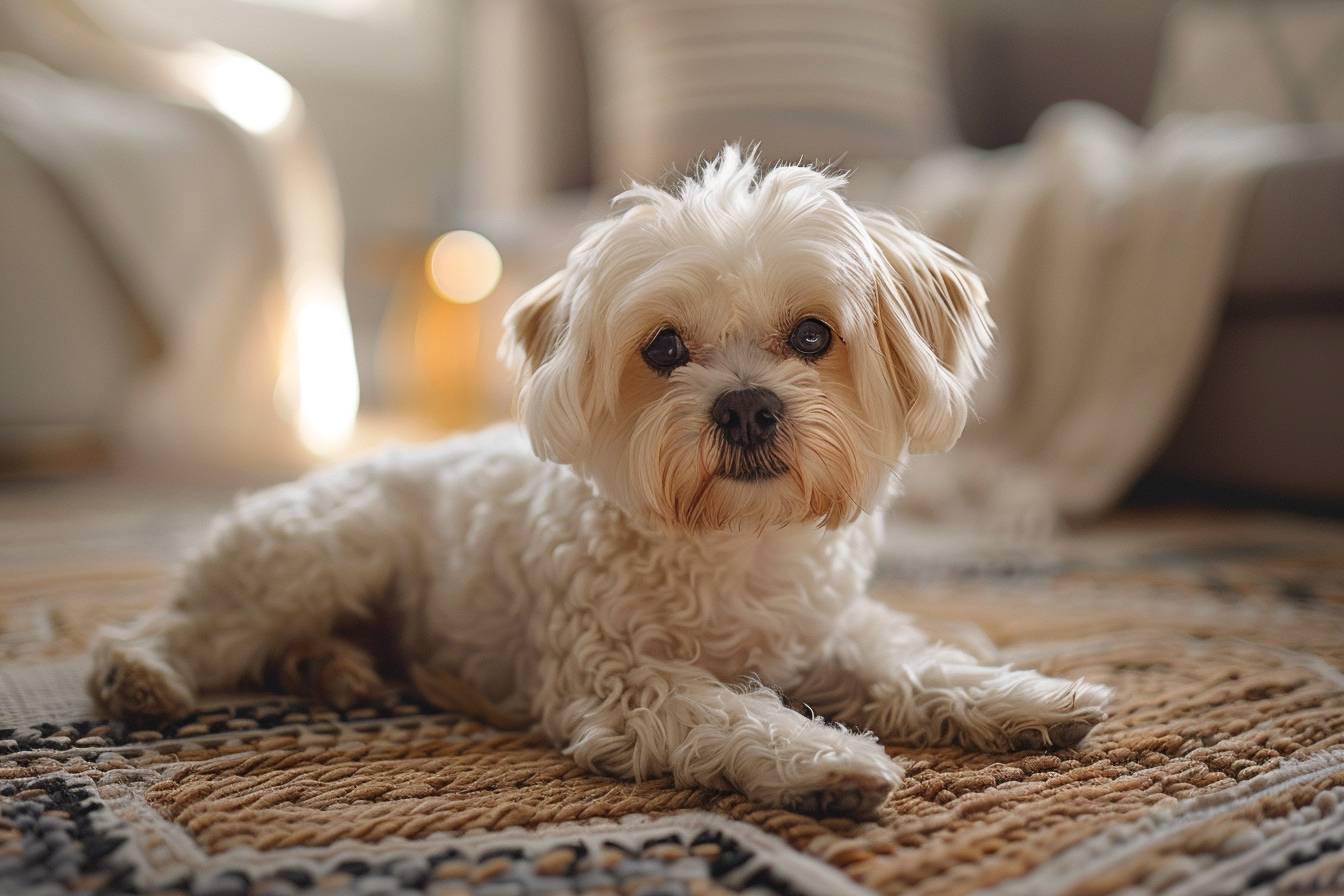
[(666, 352), (811, 338)]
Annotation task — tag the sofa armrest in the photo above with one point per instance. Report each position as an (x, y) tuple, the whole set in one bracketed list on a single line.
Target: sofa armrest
[(1259, 420), (1291, 245), (72, 338)]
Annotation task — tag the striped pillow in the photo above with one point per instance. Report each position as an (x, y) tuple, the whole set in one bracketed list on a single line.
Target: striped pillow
[(840, 80)]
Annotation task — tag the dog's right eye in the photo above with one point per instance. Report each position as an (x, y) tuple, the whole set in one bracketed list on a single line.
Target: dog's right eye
[(666, 352)]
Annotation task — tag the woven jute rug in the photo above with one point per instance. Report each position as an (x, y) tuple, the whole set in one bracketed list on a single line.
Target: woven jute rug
[(1221, 769)]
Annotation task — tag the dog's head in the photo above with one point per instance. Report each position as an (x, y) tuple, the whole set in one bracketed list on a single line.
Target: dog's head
[(747, 350)]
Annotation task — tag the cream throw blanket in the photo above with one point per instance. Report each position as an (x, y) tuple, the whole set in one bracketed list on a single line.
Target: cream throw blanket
[(1105, 250)]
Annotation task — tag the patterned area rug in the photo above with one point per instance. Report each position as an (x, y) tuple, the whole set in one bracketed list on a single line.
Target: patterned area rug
[(1220, 771)]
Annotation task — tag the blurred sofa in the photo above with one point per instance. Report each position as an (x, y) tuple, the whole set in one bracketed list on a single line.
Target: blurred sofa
[(1264, 416), (172, 247)]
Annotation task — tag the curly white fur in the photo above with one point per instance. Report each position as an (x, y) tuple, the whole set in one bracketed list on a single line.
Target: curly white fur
[(610, 582)]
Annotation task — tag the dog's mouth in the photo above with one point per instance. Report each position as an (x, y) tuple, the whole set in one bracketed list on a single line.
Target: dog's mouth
[(752, 466)]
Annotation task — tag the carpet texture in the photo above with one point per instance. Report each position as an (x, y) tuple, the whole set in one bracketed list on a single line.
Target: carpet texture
[(1221, 769)]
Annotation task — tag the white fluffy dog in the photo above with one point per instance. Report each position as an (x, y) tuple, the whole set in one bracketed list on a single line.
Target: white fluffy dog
[(720, 390)]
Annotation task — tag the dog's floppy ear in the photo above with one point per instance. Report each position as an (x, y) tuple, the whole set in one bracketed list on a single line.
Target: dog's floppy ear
[(553, 397), (934, 327), (533, 325)]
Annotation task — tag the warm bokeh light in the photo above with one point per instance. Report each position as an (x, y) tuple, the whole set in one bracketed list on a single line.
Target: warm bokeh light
[(247, 92), (327, 380), (318, 387), (463, 266)]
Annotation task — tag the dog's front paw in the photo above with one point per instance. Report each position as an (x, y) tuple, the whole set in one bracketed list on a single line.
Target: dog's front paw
[(1054, 714), (853, 782), (1059, 736), (132, 683), (850, 795)]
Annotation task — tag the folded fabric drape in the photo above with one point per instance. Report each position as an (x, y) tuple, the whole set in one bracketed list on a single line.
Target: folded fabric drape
[(1105, 250)]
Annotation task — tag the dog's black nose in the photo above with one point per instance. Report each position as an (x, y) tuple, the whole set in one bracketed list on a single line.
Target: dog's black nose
[(747, 418)]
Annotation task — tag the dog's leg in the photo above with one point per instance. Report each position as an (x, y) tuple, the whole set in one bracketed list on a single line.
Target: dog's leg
[(646, 719), (283, 567), (331, 670), (883, 674), (132, 677)]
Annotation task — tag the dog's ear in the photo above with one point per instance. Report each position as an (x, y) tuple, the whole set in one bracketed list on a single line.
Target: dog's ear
[(553, 396), (533, 325), (934, 328)]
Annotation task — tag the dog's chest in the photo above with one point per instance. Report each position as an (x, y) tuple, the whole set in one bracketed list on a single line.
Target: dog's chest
[(769, 628), (757, 607)]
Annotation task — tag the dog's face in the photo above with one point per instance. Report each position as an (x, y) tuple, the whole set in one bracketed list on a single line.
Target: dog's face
[(748, 351)]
